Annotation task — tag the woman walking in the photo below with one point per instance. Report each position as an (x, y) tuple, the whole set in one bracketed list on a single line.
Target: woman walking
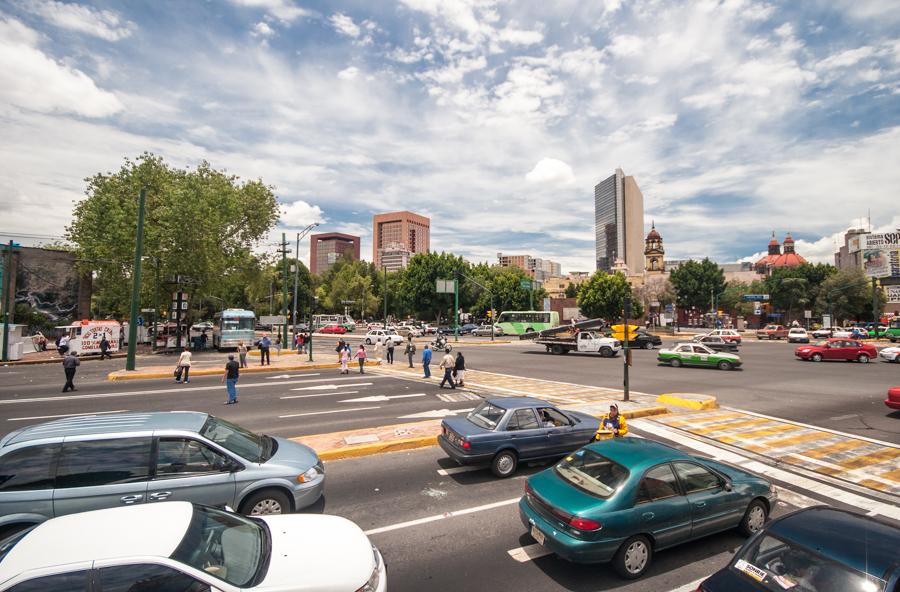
[(459, 369), (242, 353), (361, 356), (345, 358), (378, 351), (184, 367)]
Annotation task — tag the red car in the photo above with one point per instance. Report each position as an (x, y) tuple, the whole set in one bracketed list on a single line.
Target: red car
[(893, 400), (772, 332), (333, 329), (837, 349)]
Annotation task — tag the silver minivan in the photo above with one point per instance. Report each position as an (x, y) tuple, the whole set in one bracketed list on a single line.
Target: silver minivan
[(101, 461)]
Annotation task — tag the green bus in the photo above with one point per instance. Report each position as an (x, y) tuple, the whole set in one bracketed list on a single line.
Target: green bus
[(518, 322)]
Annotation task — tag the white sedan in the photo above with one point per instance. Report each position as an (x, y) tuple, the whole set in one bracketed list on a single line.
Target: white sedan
[(891, 354), (180, 546), (798, 335), (381, 336)]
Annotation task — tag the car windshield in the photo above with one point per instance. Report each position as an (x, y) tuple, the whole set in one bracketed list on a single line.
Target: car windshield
[(822, 343), (486, 415), (592, 472), (778, 565), (237, 440), (227, 546)]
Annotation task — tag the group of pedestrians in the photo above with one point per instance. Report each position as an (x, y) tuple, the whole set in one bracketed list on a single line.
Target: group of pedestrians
[(345, 354), (454, 367)]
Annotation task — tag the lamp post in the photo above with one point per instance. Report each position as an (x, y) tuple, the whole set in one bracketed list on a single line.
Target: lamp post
[(136, 285), (300, 235)]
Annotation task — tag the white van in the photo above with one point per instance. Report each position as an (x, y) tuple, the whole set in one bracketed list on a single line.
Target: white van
[(85, 337)]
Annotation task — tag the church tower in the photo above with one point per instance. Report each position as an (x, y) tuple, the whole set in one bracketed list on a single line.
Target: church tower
[(654, 253)]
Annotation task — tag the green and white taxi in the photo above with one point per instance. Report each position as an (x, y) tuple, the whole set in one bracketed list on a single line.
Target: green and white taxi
[(696, 354)]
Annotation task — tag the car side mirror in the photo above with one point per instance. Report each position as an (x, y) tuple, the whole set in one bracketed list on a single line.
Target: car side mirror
[(727, 485)]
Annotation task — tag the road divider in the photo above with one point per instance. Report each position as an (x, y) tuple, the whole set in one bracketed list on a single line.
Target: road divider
[(695, 401)]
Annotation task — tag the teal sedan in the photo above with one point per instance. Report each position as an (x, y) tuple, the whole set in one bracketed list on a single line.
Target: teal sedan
[(622, 500)]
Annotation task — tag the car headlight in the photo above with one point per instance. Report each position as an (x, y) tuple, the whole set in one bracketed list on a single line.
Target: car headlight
[(375, 578), (308, 476)]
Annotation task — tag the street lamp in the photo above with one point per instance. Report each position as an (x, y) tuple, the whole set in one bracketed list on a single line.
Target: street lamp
[(300, 235)]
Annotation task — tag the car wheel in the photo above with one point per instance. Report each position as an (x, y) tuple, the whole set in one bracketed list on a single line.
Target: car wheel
[(606, 352), (648, 345), (816, 357), (504, 464), (675, 362), (265, 503), (863, 359), (633, 557), (723, 365), (754, 518), (556, 349)]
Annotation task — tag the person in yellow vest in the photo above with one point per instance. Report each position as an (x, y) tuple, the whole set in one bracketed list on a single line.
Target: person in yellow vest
[(614, 423)]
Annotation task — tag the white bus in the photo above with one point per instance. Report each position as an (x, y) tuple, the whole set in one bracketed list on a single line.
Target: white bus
[(322, 320)]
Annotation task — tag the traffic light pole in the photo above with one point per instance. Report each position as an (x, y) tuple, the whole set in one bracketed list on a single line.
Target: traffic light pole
[(7, 286), (136, 287), (456, 306), (627, 352), (284, 289)]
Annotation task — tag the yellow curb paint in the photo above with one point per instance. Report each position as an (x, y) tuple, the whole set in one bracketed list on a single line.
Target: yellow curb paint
[(795, 440), (837, 447), (688, 400), (865, 460), (725, 427), (138, 375), (698, 419), (891, 475), (873, 484), (378, 448)]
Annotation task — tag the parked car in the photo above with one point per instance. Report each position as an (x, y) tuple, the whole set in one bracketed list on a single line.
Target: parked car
[(405, 330), (485, 331), (623, 500), (383, 337), (716, 343), (190, 548), (92, 462), (443, 330), (772, 332), (890, 354), (727, 334), (333, 329), (837, 349), (893, 398), (503, 432), (370, 326), (822, 333), (797, 335), (816, 549), (696, 354), (429, 329), (467, 328)]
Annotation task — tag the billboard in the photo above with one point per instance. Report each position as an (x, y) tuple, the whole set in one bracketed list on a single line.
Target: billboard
[(893, 294), (881, 254)]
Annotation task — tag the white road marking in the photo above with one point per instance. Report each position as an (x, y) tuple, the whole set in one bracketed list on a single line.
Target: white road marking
[(795, 499), (435, 414), (328, 412), (66, 415), (330, 387), (843, 417), (380, 398), (524, 554), (455, 470), (443, 516), (291, 376), (320, 395)]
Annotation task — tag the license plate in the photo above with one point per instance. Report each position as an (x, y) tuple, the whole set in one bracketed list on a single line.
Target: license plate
[(538, 535)]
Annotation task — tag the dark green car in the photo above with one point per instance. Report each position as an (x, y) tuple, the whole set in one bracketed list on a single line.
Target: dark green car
[(622, 500), (696, 354)]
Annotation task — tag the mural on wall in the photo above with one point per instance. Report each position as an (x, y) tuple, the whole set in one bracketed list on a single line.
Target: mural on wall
[(49, 282)]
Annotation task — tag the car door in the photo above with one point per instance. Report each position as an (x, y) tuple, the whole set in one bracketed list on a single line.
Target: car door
[(98, 473), (851, 350), (561, 433), (661, 508), (147, 577), (26, 480), (527, 435), (700, 356), (189, 470), (76, 580), (713, 507)]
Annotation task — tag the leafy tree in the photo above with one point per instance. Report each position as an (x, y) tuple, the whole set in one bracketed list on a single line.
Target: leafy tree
[(349, 280), (201, 224), (656, 289), (696, 283), (846, 295), (571, 290), (794, 289), (603, 296), (417, 285)]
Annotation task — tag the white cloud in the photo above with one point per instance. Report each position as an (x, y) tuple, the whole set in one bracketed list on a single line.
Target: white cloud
[(105, 24), (348, 73), (625, 45), (344, 25), (846, 58), (284, 10), (610, 6), (519, 36), (551, 171), (32, 80), (262, 29), (299, 214)]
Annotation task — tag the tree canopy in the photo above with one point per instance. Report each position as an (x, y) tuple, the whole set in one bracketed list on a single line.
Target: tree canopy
[(697, 283), (603, 296)]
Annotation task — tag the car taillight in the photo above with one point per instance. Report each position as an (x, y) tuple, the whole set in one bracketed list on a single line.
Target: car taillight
[(466, 444), (584, 523)]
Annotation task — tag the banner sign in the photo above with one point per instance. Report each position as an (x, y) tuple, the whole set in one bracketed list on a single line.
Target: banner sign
[(893, 294), (881, 254), (755, 297)]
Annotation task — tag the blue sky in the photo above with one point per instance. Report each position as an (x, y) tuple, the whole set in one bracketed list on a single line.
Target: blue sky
[(495, 118)]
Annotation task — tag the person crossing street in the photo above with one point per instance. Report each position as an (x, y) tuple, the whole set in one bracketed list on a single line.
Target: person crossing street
[(410, 351), (448, 363), (361, 356), (70, 364), (390, 351), (426, 360), (104, 348), (184, 367), (230, 378), (459, 369)]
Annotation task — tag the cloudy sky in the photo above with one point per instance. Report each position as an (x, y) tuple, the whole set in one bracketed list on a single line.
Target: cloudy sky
[(495, 118)]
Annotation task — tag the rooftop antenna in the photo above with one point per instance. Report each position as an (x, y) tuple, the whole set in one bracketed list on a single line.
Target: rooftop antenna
[(870, 219)]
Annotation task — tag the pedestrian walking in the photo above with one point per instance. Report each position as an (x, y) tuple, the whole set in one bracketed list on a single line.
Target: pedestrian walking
[(459, 369), (62, 345), (242, 353), (183, 367), (204, 338), (448, 363), (300, 339), (278, 345), (264, 344), (426, 360), (378, 351), (390, 351), (104, 348), (344, 357), (410, 352), (361, 356), (230, 378), (340, 349), (70, 364)]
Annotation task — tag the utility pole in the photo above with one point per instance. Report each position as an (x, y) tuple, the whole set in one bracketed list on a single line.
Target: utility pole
[(7, 287), (875, 308), (296, 274), (284, 288), (309, 343), (385, 295), (456, 305), (627, 352), (136, 285)]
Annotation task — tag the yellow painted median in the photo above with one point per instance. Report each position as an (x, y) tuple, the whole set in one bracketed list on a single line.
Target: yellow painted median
[(694, 401)]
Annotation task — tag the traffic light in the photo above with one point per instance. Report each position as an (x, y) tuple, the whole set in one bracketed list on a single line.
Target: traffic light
[(490, 313)]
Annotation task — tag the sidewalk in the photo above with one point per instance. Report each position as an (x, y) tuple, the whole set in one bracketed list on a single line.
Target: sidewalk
[(214, 366)]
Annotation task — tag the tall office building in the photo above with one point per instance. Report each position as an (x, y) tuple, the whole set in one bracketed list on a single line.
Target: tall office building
[(326, 248), (397, 236), (539, 269), (619, 223)]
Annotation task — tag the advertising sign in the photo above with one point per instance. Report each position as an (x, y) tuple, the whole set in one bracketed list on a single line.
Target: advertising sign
[(881, 254), (92, 335), (755, 297), (893, 294)]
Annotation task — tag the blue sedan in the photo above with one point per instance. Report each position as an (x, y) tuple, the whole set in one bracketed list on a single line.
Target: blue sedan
[(504, 431), (622, 500)]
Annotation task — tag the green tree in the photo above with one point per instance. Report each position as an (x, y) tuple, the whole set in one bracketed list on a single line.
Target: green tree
[(846, 295), (794, 289), (417, 286), (571, 290), (348, 280), (697, 283), (200, 223), (603, 296)]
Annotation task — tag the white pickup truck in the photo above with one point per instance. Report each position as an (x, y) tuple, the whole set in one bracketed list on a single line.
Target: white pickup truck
[(584, 341)]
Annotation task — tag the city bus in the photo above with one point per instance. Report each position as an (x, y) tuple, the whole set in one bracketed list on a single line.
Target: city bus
[(323, 320), (518, 322), (232, 326)]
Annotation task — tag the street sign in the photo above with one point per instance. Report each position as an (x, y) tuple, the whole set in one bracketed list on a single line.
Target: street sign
[(618, 332), (807, 314), (148, 310), (757, 311), (755, 297), (525, 284), (670, 308), (272, 320), (445, 286)]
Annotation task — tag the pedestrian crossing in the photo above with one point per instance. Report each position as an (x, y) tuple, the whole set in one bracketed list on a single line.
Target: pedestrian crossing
[(862, 461)]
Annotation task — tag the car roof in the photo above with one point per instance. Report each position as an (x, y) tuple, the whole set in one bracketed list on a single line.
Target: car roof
[(89, 425), (637, 454), (518, 402), (146, 530), (861, 542)]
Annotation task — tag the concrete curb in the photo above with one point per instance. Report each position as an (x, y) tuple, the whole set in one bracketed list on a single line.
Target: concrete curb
[(57, 360), (693, 401), (138, 375)]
